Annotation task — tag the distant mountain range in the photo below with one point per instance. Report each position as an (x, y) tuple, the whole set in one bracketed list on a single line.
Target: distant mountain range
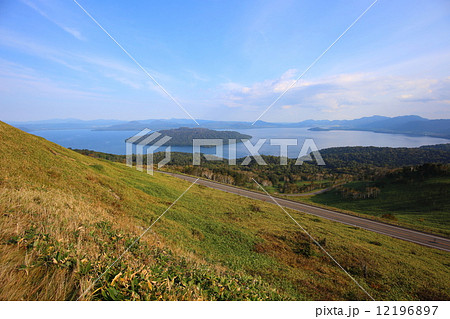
[(64, 124), (175, 123), (409, 124)]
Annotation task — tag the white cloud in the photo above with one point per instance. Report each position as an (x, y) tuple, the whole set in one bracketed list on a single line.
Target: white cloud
[(71, 30), (124, 72), (18, 79), (345, 95)]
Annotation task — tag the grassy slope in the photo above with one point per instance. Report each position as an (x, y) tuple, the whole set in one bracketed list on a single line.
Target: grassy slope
[(65, 217)]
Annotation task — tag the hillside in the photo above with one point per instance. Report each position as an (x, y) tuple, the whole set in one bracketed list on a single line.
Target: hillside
[(362, 165), (65, 217), (416, 197)]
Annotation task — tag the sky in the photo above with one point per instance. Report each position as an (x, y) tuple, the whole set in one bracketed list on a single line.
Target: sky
[(223, 60)]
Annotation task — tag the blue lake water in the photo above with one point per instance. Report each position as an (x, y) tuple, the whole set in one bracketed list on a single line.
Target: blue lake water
[(114, 141)]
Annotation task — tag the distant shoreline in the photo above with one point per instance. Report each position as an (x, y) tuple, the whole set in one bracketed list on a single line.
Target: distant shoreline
[(323, 129), (409, 125)]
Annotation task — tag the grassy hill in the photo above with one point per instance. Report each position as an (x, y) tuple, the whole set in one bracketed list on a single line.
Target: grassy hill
[(65, 217)]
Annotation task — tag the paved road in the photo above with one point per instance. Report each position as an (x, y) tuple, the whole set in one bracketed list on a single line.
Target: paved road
[(368, 224)]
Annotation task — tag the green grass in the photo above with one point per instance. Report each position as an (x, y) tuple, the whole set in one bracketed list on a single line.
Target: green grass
[(421, 205), (66, 217)]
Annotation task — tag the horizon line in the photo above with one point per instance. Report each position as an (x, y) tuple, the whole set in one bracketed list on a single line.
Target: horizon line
[(236, 121)]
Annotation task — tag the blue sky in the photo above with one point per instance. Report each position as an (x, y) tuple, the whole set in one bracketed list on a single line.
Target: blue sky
[(223, 60)]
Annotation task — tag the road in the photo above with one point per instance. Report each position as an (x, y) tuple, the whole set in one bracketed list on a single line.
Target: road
[(368, 224)]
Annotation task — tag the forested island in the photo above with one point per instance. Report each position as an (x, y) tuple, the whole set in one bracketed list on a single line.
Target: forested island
[(184, 136)]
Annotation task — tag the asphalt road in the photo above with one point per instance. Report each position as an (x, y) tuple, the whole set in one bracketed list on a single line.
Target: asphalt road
[(368, 224)]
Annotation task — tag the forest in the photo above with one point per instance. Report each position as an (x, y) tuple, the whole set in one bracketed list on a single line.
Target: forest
[(342, 164)]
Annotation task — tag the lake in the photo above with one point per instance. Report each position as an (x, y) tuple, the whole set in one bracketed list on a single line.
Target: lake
[(114, 141)]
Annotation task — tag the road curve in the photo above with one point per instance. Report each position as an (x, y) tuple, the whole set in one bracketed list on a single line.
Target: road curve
[(406, 234)]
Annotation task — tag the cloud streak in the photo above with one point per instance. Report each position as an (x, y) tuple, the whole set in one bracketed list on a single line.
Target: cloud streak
[(71, 30), (122, 72)]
